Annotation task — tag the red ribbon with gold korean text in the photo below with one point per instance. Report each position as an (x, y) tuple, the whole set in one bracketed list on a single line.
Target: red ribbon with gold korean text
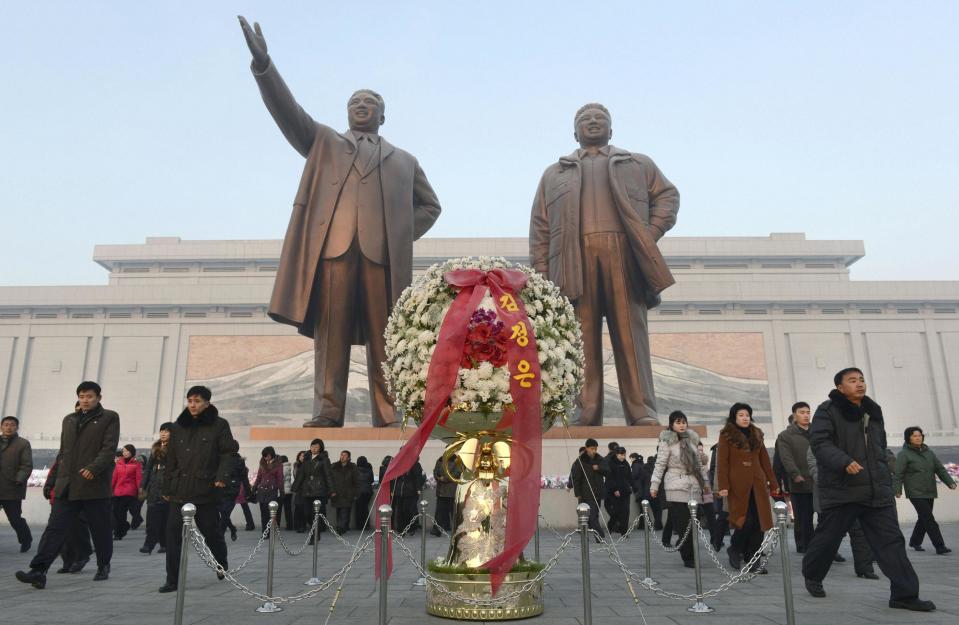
[(525, 388)]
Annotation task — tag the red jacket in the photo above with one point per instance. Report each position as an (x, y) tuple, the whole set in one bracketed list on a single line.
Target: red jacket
[(127, 475)]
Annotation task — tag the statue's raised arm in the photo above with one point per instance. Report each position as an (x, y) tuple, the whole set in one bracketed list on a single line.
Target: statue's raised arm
[(297, 126)]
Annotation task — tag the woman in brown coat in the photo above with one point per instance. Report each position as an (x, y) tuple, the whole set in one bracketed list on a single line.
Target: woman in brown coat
[(744, 475)]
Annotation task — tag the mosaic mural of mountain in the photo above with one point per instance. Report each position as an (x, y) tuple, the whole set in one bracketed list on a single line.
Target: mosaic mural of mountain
[(268, 380)]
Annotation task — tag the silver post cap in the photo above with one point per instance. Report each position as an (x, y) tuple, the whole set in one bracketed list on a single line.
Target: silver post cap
[(644, 502), (385, 512), (188, 510), (316, 506), (273, 506), (424, 505), (582, 512), (693, 504), (780, 508)]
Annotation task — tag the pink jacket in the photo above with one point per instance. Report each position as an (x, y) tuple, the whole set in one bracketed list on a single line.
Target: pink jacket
[(126, 478)]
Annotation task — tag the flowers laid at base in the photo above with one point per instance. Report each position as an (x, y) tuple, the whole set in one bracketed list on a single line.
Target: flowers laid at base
[(483, 383)]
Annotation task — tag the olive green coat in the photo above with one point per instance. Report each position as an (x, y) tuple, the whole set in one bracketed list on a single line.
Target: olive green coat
[(916, 469)]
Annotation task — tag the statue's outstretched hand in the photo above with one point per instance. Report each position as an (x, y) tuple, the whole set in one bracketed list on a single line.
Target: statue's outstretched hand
[(256, 42)]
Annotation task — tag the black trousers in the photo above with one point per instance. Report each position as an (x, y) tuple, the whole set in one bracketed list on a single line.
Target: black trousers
[(121, 507), (157, 515), (247, 515), (207, 522), (926, 524), (618, 509), (225, 509), (286, 509), (363, 510), (747, 539), (77, 545), (593, 522), (679, 518), (881, 529), (802, 522), (444, 513), (265, 512), (862, 557), (656, 506), (63, 517), (14, 510), (136, 514), (404, 512), (343, 519)]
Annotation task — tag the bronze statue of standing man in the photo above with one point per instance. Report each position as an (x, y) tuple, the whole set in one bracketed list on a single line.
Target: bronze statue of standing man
[(596, 218), (348, 251)]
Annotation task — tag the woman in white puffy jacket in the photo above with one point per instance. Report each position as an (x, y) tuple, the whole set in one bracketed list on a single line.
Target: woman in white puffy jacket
[(681, 470)]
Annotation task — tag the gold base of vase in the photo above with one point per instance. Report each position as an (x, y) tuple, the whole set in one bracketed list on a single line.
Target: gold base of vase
[(476, 586)]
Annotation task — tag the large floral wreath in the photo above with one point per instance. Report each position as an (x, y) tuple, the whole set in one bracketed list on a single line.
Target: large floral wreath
[(483, 384)]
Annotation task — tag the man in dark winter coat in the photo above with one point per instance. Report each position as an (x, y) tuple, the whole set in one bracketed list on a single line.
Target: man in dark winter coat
[(445, 493), (618, 488), (791, 447), (345, 486), (16, 464), (407, 489), (848, 439), (589, 482), (198, 462), (88, 440)]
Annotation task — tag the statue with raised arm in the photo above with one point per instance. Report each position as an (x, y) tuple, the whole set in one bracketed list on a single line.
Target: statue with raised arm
[(348, 251), (596, 218)]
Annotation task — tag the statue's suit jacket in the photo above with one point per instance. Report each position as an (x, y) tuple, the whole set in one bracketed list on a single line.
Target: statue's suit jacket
[(647, 203), (409, 204)]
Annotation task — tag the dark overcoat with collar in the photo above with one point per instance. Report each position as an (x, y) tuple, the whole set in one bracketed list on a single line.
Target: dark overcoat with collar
[(89, 444), (647, 203), (199, 454), (410, 206)]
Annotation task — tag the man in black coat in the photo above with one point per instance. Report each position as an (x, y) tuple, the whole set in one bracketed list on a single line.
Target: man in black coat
[(589, 482), (848, 439), (199, 459), (445, 492), (88, 440), (313, 481)]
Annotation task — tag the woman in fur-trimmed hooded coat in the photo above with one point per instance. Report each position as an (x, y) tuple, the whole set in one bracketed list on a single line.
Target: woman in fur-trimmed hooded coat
[(744, 475)]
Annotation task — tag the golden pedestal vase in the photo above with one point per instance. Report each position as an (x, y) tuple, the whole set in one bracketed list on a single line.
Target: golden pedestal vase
[(475, 585)]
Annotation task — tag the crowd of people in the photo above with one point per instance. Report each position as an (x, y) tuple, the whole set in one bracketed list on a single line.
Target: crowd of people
[(835, 465)]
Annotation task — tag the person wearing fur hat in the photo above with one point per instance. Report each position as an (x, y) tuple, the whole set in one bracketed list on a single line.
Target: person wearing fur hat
[(151, 488), (680, 468), (916, 469), (745, 476), (848, 438)]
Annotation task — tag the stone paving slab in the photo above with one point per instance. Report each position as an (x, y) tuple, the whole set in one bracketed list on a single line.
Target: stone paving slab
[(130, 595)]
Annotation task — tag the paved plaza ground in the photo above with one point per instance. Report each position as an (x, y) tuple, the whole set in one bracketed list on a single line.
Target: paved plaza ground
[(130, 596)]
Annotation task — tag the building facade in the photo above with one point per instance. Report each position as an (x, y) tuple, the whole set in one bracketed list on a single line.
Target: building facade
[(766, 320)]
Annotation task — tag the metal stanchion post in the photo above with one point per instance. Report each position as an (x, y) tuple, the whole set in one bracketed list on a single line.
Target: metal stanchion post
[(385, 513), (782, 517), (188, 511), (700, 606), (648, 521), (269, 606), (315, 580), (582, 514), (536, 541), (423, 506)]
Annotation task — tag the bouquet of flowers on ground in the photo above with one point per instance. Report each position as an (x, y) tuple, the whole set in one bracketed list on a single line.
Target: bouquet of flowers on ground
[(483, 383)]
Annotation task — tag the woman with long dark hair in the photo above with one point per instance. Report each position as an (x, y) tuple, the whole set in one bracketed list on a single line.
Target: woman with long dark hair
[(680, 468), (158, 509), (744, 475), (268, 485), (916, 469)]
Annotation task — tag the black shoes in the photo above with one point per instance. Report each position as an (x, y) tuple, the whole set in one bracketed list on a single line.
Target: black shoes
[(161, 550), (64, 569), (436, 531), (868, 575), (917, 548), (735, 558), (943, 551), (34, 577), (689, 564), (233, 534), (103, 573), (815, 588), (77, 566), (916, 605), (167, 587), (249, 527), (838, 558), (146, 549), (220, 576)]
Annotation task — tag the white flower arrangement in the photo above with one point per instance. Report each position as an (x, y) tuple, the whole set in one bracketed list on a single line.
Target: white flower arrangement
[(415, 324)]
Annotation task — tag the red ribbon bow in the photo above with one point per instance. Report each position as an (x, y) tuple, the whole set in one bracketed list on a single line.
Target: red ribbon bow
[(525, 389)]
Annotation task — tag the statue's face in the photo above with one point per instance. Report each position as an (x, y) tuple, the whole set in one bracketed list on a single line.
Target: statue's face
[(364, 112), (593, 128)]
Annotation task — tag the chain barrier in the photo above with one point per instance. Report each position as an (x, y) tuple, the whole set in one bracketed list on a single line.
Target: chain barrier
[(306, 543), (333, 531), (749, 570), (492, 601), (554, 531), (431, 518), (256, 549), (203, 551)]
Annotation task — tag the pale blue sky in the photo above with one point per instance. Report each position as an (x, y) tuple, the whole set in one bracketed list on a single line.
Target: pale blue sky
[(839, 119)]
